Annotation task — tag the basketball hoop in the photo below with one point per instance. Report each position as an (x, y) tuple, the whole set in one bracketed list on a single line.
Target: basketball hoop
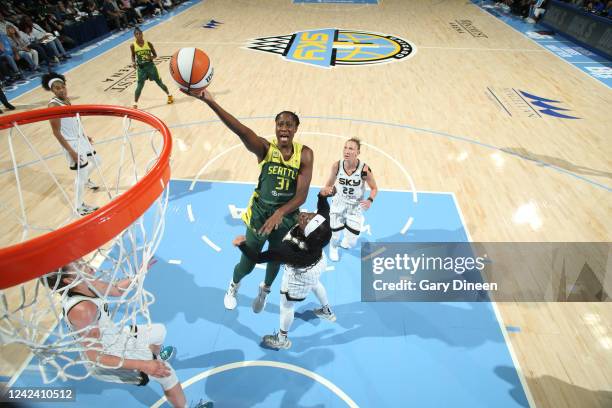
[(28, 260), (115, 242)]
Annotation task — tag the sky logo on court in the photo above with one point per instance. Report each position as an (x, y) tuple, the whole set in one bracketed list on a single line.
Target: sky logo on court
[(517, 103), (547, 106), (330, 47)]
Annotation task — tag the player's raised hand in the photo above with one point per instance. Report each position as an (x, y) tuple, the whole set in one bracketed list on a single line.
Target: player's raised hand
[(201, 94), (328, 191), (239, 240), (271, 223)]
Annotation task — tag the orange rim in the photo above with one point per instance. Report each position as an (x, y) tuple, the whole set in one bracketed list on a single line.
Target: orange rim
[(31, 259)]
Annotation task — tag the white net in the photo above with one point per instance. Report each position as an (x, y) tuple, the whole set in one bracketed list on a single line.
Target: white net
[(40, 193)]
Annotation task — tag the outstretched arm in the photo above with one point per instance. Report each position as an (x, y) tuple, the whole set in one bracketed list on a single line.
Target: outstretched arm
[(284, 254), (322, 204), (331, 180), (303, 183), (255, 144)]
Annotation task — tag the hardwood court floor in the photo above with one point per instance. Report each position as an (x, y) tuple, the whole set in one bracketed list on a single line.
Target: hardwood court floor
[(517, 176)]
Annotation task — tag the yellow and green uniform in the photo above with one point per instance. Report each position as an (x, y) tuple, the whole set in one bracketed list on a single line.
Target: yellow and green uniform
[(276, 186), (146, 69)]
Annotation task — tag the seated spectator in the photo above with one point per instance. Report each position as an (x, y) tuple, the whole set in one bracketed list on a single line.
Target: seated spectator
[(61, 14), (20, 45), (132, 14), (145, 7), (536, 11), (8, 56), (114, 15), (72, 10), (4, 23), (35, 35), (91, 8), (52, 25)]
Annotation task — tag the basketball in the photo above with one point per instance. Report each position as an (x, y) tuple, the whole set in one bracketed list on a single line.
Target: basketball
[(191, 68)]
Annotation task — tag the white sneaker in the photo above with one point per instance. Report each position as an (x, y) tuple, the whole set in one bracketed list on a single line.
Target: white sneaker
[(229, 300), (85, 209), (325, 313), (91, 185), (260, 301), (276, 341), (333, 253)]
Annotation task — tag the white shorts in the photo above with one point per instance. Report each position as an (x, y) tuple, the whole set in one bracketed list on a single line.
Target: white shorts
[(297, 283), (135, 345), (347, 213), (86, 153)]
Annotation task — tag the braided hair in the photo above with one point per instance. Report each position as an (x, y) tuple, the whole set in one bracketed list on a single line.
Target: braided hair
[(307, 251)]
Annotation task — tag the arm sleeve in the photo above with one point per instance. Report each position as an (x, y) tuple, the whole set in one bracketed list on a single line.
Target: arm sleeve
[(323, 206), (271, 255), (283, 254)]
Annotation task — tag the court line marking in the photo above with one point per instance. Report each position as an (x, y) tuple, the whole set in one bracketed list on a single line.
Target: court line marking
[(267, 363), (406, 226), (500, 320), (208, 163), (423, 130), (543, 47), (200, 42), (175, 261), (210, 243), (387, 155), (393, 190), (484, 49), (371, 122), (190, 213), (464, 139), (335, 7)]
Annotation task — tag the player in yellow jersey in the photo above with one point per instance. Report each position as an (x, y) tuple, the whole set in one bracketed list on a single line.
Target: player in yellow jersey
[(284, 179), (143, 53)]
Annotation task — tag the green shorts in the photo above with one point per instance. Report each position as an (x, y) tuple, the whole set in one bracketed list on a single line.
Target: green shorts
[(148, 71), (258, 212)]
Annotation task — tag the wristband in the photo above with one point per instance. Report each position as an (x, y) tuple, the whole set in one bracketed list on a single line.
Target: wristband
[(370, 199)]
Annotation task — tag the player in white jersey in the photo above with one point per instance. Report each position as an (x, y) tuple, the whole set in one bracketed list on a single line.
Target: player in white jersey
[(80, 153), (348, 179), (301, 252), (126, 350)]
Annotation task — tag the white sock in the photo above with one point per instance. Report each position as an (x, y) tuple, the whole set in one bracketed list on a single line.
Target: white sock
[(82, 175), (286, 314), (321, 294), (350, 239), (335, 240)]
